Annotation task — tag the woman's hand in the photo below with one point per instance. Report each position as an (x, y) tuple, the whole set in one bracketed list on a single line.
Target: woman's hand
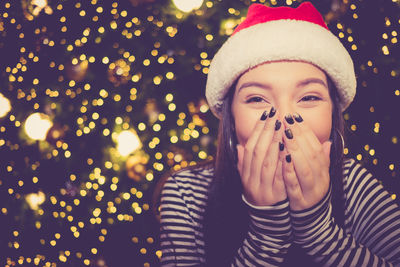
[(259, 165), (306, 168)]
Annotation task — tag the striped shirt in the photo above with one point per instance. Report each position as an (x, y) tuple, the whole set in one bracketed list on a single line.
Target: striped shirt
[(370, 236)]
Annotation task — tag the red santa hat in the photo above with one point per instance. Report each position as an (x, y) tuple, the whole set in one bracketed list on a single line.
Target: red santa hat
[(280, 33)]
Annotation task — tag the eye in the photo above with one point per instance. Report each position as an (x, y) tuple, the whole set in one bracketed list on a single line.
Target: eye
[(310, 98), (255, 99)]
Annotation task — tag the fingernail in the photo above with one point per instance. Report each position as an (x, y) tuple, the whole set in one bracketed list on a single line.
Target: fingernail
[(297, 117), (281, 146), (289, 133), (272, 112), (289, 119), (278, 124), (264, 116), (288, 158)]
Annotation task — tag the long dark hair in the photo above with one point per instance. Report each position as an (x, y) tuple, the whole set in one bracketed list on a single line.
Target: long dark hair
[(226, 220)]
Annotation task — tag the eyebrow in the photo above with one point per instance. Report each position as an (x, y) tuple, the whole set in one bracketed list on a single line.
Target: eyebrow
[(299, 84)]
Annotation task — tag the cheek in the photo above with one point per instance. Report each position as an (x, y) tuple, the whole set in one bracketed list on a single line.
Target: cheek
[(321, 126), (244, 124)]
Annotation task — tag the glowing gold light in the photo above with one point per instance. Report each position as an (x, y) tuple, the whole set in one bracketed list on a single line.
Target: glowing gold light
[(118, 71), (32, 8), (37, 125), (228, 26), (128, 142), (5, 105), (385, 50), (187, 5), (35, 200)]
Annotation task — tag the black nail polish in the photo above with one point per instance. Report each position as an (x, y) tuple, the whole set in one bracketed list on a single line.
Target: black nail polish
[(278, 124), (297, 117), (288, 158), (264, 116), (281, 146), (289, 119), (272, 112), (289, 133)]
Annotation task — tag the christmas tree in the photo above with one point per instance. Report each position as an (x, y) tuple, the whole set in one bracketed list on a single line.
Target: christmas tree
[(100, 99)]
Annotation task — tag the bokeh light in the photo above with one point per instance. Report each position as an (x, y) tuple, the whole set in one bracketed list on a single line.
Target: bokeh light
[(5, 105), (37, 125), (187, 5), (35, 199), (128, 142)]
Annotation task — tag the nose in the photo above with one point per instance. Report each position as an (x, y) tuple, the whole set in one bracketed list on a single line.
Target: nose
[(284, 107)]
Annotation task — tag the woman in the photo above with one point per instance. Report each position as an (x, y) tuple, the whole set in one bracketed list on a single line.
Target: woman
[(280, 192)]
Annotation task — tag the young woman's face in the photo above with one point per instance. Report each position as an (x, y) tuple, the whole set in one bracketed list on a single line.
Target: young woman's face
[(289, 86)]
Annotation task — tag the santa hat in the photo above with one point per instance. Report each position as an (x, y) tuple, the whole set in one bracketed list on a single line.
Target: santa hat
[(280, 33)]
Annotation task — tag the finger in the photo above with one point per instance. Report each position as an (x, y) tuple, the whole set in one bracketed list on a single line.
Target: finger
[(278, 183), (301, 139), (301, 163), (249, 147), (311, 151), (315, 151), (308, 132), (281, 158), (271, 158), (292, 185), (264, 143)]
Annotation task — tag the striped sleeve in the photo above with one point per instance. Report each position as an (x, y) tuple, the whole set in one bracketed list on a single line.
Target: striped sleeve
[(183, 202), (268, 238), (372, 236)]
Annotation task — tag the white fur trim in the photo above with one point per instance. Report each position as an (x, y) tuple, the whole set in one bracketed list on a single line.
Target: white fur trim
[(280, 40)]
